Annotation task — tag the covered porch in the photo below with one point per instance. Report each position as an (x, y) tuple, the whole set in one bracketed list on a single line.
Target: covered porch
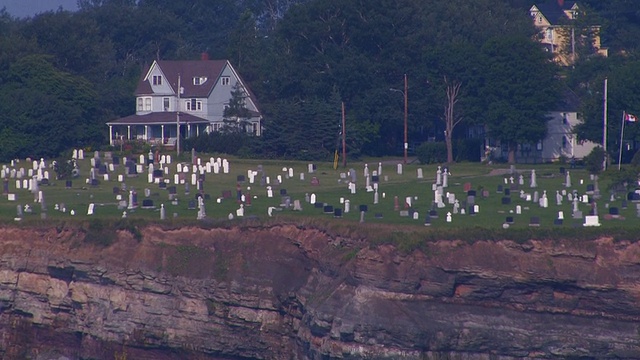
[(156, 128)]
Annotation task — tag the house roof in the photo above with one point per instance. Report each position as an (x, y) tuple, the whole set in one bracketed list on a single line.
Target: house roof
[(554, 12), (569, 102), (187, 70), (158, 118)]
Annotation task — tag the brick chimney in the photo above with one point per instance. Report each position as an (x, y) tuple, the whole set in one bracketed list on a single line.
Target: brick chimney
[(204, 56)]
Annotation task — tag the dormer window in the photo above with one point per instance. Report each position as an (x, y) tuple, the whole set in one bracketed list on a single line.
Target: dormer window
[(224, 80), (199, 80), (157, 80)]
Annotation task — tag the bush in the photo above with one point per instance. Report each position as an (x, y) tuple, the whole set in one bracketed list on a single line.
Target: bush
[(467, 150), (216, 142), (593, 162), (432, 153)]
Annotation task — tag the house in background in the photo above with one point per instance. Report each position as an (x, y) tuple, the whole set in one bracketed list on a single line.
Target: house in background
[(561, 140), (557, 34), (194, 94)]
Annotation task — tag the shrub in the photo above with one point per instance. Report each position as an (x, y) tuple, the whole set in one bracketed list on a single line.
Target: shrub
[(593, 162), (432, 153)]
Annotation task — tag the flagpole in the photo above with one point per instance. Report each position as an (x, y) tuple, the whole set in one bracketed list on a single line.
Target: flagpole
[(604, 130), (621, 137)]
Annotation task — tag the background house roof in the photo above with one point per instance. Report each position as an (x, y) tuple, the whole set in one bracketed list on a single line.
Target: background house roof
[(159, 118), (187, 70), (554, 12), (569, 102)]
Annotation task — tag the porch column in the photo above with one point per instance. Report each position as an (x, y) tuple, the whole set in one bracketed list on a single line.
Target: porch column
[(110, 135), (197, 130), (162, 129), (189, 130), (128, 132), (146, 133)]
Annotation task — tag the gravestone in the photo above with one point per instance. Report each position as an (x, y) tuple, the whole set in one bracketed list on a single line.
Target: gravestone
[(363, 208), (337, 213), (499, 189), (507, 192), (509, 220), (191, 205), (328, 209), (378, 216), (558, 222), (318, 205), (315, 181), (534, 221), (147, 204), (506, 200)]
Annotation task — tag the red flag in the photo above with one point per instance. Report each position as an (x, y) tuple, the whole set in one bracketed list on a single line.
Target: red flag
[(630, 117)]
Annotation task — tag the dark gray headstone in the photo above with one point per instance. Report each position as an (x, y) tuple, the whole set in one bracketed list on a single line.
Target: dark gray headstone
[(534, 221), (499, 189), (509, 220), (506, 200), (557, 222), (192, 205), (364, 208), (337, 213), (328, 209), (614, 211), (507, 192)]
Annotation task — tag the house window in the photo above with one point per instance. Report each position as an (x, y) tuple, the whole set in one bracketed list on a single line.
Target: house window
[(147, 104), (194, 105), (539, 146), (165, 104), (216, 127), (564, 119), (140, 104), (224, 80), (157, 80), (550, 34), (199, 80), (255, 128)]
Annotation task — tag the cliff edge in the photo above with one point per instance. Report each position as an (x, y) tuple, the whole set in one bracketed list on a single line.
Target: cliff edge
[(287, 292)]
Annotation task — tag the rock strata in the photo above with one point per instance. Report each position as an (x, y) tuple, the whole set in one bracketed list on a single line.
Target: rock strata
[(284, 292)]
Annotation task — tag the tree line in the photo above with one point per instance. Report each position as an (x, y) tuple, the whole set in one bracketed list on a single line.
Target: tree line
[(63, 75)]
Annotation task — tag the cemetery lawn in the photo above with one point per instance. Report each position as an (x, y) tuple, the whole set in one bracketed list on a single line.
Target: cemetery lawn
[(330, 189)]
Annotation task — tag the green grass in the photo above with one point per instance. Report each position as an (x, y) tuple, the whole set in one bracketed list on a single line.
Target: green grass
[(330, 190)]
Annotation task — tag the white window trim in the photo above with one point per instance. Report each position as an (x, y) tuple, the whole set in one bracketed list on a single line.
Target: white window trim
[(225, 80), (157, 80)]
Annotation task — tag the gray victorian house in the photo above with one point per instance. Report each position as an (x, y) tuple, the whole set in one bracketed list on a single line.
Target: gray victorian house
[(193, 94)]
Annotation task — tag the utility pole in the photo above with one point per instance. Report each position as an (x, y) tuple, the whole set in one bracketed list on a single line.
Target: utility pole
[(406, 115), (344, 138), (406, 107), (604, 126), (178, 121)]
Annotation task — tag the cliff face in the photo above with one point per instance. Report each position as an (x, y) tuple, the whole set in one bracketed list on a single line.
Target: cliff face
[(282, 292)]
